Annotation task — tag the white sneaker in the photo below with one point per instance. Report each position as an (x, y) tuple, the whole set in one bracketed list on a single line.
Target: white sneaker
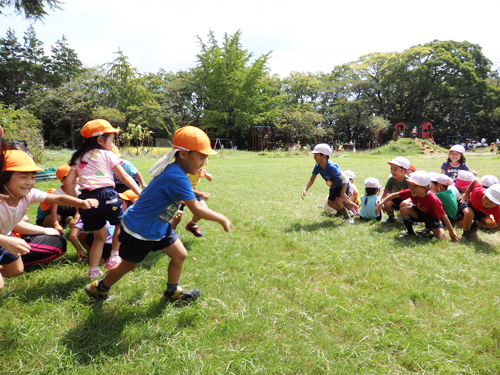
[(349, 221), (94, 274)]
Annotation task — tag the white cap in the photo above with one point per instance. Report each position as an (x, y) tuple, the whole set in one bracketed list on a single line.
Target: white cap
[(432, 176), (420, 178), (443, 179), (487, 180), (400, 161), (372, 182), (350, 174), (322, 148), (463, 179), (458, 148), (493, 193)]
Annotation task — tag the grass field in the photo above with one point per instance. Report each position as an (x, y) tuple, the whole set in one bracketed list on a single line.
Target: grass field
[(287, 291)]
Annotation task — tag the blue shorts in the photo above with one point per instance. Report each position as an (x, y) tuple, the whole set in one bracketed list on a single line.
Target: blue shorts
[(6, 257), (135, 250), (109, 209), (335, 192), (430, 221)]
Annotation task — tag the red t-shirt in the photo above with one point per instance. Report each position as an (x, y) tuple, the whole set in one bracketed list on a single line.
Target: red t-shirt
[(429, 205), (476, 201)]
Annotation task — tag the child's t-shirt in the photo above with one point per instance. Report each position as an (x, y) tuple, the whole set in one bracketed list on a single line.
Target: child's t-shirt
[(394, 185), (10, 216), (429, 205), (367, 209), (148, 218), (452, 171), (95, 169), (331, 173), (476, 201), (449, 201)]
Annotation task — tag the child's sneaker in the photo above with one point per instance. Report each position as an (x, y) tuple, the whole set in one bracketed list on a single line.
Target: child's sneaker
[(94, 274), (92, 291), (182, 295), (113, 261), (405, 234), (349, 221), (193, 228), (390, 219)]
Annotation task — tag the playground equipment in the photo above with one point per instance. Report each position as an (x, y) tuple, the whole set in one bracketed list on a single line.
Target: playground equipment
[(261, 138), (425, 130)]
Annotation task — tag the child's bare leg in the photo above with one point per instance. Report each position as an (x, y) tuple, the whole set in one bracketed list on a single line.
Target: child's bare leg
[(407, 214), (12, 269), (439, 233), (178, 254), (95, 253), (389, 208), (468, 218), (117, 272)]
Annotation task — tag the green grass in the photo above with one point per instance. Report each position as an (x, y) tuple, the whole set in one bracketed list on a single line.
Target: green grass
[(287, 291)]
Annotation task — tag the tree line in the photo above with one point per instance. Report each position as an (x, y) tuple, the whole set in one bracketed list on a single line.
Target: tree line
[(229, 92)]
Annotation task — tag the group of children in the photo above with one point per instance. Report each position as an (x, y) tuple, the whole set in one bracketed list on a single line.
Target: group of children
[(145, 226), (439, 200)]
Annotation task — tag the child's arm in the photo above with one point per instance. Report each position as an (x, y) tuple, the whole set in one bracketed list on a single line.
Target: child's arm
[(29, 229), (54, 220), (73, 238), (68, 200), (139, 177), (466, 195), (126, 179), (71, 182), (206, 213), (384, 194), (202, 194), (390, 197), (309, 184), (449, 227)]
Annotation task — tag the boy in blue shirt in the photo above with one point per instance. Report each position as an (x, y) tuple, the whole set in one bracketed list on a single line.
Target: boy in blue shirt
[(146, 226), (338, 197)]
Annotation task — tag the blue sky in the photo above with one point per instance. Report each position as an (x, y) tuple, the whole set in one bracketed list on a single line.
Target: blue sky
[(304, 36)]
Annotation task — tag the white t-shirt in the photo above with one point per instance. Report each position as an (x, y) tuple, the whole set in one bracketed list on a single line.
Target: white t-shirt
[(95, 169), (10, 216)]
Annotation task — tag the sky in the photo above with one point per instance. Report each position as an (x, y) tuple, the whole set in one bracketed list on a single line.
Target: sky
[(301, 36)]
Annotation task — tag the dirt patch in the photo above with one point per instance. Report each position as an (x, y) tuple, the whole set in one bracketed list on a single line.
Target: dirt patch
[(429, 151)]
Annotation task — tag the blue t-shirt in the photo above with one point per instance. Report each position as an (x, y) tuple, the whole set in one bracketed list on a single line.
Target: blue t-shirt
[(149, 216), (331, 173), (452, 171)]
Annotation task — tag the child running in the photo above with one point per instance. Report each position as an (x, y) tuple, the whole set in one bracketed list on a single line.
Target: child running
[(455, 162), (426, 207), (337, 181), (17, 181), (146, 227), (93, 164)]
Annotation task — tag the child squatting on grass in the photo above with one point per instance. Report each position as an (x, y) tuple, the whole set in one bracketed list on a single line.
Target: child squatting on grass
[(17, 180), (145, 225), (396, 182), (338, 183), (426, 207)]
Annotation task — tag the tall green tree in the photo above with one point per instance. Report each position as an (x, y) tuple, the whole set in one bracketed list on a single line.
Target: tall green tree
[(30, 9), (64, 63), (229, 86), (12, 72)]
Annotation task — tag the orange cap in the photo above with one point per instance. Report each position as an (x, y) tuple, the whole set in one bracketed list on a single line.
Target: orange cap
[(19, 161), (116, 151), (191, 138), (97, 127), (62, 171), (128, 195)]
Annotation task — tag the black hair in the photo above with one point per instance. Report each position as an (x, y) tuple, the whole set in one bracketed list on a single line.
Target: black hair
[(89, 144), (373, 191), (462, 158)]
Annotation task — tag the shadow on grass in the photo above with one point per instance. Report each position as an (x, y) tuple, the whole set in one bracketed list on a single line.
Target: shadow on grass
[(311, 227), (102, 336), (55, 290)]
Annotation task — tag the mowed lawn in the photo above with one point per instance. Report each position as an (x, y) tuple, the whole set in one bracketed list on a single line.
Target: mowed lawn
[(287, 291)]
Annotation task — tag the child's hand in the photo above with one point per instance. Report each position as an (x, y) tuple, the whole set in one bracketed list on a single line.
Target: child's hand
[(81, 255), (303, 194), (52, 231), (4, 196), (454, 236), (464, 198), (16, 246), (90, 203), (204, 195), (58, 228), (208, 176), (378, 209), (226, 224)]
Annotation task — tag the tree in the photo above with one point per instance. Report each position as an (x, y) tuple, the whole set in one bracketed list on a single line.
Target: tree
[(31, 9), (64, 63), (12, 70), (229, 86)]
